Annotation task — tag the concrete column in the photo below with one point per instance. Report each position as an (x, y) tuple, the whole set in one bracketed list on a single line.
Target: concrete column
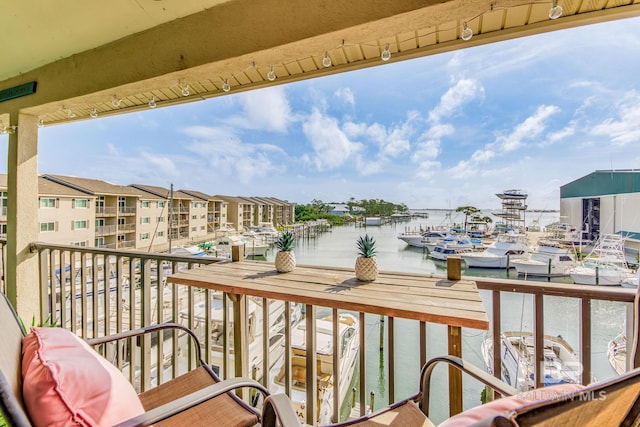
[(21, 273)]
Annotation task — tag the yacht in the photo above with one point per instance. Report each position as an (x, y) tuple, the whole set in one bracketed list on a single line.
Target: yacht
[(561, 366), (548, 259), (252, 246), (617, 353), (255, 334), (421, 239), (348, 356), (605, 265), (455, 245), (500, 253)]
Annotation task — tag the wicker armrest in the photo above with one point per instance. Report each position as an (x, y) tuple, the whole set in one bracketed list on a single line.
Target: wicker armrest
[(278, 411), (466, 367), (147, 330), (190, 400)]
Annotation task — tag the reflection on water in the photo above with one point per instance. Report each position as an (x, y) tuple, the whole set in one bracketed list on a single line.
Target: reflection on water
[(338, 248)]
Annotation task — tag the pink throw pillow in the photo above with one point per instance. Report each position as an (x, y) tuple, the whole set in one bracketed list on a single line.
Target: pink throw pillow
[(504, 405), (65, 382)]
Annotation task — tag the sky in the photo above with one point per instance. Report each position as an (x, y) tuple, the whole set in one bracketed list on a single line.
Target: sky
[(443, 131)]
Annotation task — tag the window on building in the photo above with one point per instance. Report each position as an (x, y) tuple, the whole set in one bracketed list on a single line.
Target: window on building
[(81, 203), (194, 204), (202, 227), (145, 220), (100, 242), (49, 202), (160, 219), (3, 202), (144, 203), (160, 234), (83, 244), (122, 221), (47, 226), (99, 222), (79, 225), (203, 216), (194, 216), (194, 228), (144, 236), (161, 204)]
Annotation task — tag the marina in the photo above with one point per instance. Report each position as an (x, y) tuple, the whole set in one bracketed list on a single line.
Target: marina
[(337, 248)]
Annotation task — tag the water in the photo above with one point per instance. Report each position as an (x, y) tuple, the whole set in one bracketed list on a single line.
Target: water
[(338, 248)]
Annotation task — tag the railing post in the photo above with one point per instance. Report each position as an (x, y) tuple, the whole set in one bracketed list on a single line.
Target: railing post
[(455, 376), (454, 268), (585, 339)]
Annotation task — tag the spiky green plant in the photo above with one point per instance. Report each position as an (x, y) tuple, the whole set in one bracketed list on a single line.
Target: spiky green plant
[(284, 242), (366, 246)]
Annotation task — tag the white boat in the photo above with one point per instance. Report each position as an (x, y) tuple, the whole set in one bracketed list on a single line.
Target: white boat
[(561, 366), (252, 246), (499, 253), (548, 259), (421, 239), (605, 265), (349, 346), (617, 353), (255, 329), (373, 220), (455, 244)]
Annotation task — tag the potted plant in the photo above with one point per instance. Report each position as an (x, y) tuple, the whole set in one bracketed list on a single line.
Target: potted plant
[(285, 258), (366, 264)]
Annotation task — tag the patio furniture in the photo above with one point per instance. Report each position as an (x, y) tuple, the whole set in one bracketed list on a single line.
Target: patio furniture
[(612, 402), (50, 372)]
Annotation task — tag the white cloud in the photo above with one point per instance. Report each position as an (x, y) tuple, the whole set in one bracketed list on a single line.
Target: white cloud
[(331, 146), (529, 129), (345, 95), (265, 109), (464, 91), (625, 127)]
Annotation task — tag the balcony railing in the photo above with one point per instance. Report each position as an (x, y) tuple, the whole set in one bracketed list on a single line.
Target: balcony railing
[(106, 211), (76, 296), (105, 230)]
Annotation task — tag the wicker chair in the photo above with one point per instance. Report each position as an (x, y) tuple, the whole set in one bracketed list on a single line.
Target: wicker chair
[(195, 398)]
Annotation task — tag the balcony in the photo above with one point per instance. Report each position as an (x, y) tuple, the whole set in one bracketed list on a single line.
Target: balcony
[(127, 227), (102, 211), (105, 230), (139, 294)]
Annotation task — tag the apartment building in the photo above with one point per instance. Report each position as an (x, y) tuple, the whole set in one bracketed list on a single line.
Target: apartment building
[(115, 210), (216, 210), (90, 212), (240, 212)]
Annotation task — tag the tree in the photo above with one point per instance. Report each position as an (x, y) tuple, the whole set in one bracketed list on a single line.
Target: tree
[(467, 211)]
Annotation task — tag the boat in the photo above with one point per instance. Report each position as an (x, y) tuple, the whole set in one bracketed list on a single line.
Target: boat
[(561, 365), (255, 329), (605, 265), (548, 259), (617, 353), (421, 239), (252, 246), (373, 220), (500, 252), (348, 356), (454, 244), (512, 194)]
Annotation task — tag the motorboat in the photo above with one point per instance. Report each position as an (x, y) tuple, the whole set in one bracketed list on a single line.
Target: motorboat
[(500, 253), (454, 244), (348, 355), (255, 330), (605, 265), (548, 259), (561, 365), (617, 353), (421, 239), (252, 246)]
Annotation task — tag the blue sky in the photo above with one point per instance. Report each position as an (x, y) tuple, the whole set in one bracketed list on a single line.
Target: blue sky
[(437, 132)]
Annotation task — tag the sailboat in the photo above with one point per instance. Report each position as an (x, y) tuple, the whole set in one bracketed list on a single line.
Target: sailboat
[(561, 366)]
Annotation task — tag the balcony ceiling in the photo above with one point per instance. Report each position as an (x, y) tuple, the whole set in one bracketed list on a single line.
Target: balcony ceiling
[(85, 55)]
